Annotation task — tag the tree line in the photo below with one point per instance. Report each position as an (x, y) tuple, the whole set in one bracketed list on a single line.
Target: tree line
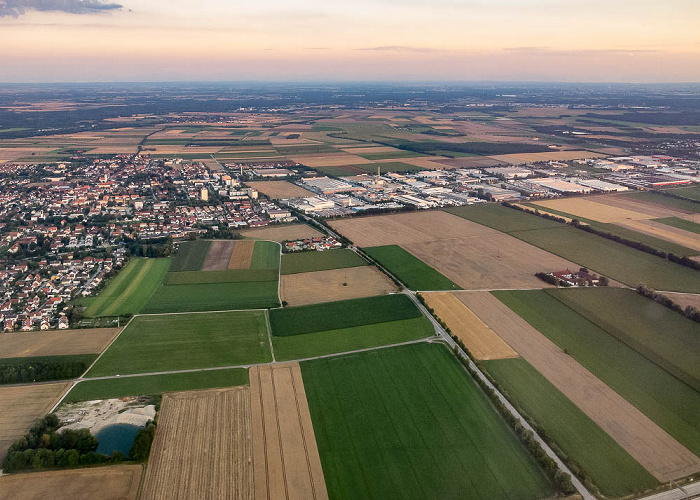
[(41, 370), (690, 312)]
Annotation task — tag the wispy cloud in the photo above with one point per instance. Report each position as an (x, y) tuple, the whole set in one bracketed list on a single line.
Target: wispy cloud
[(402, 48), (16, 8), (548, 51)]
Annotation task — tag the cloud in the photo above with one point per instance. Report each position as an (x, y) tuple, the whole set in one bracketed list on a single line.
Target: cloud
[(548, 51), (403, 48), (16, 8)]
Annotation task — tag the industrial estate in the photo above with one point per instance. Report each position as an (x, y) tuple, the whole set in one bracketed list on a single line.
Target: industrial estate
[(481, 295)]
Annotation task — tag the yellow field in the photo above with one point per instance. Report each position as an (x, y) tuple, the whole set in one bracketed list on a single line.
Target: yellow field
[(589, 209), (482, 342), (55, 343), (280, 189), (288, 232)]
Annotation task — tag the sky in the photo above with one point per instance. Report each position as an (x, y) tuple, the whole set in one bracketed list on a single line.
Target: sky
[(358, 40)]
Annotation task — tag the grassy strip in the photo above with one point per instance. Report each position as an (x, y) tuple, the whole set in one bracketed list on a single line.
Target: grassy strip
[(669, 402), (213, 297), (413, 272), (349, 339), (89, 390), (190, 255), (186, 341), (341, 314), (130, 289), (575, 435), (501, 218), (409, 423), (305, 262), (227, 276), (683, 224)]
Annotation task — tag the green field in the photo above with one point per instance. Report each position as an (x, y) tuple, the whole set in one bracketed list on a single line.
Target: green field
[(130, 289), (659, 199), (413, 272), (387, 155), (227, 276), (409, 423), (305, 262), (213, 297), (185, 341), (669, 402), (89, 390), (190, 255), (686, 225), (608, 465), (349, 339), (660, 334), (496, 216), (266, 255), (692, 192), (342, 314)]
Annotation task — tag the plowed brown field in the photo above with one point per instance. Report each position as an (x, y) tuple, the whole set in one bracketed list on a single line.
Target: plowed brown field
[(219, 255), (203, 447), (287, 464), (55, 342), (21, 406), (281, 189), (282, 233), (473, 256), (242, 255), (651, 446), (327, 286), (120, 482), (481, 341)]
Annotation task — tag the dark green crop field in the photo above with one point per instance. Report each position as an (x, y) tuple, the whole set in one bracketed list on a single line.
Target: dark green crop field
[(342, 314), (266, 255), (227, 276), (184, 341), (609, 466), (409, 423), (686, 225), (89, 390), (668, 401), (190, 255), (413, 272), (305, 262), (213, 297)]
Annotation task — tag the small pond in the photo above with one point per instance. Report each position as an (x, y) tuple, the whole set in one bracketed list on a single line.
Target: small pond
[(116, 437)]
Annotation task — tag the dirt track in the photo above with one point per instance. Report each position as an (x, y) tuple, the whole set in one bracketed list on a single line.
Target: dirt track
[(203, 447), (327, 286), (287, 464), (282, 233), (242, 255), (481, 341), (120, 482), (21, 406), (219, 255), (55, 342), (473, 256), (650, 445)]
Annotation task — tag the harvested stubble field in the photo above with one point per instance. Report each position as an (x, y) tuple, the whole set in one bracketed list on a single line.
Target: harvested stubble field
[(335, 284), (663, 456), (653, 204), (287, 463), (685, 299), (678, 236), (591, 209), (482, 342), (203, 447), (287, 232), (306, 262), (55, 343), (219, 255), (20, 406), (241, 255), (184, 341), (409, 422), (127, 292), (473, 256), (281, 189), (120, 482)]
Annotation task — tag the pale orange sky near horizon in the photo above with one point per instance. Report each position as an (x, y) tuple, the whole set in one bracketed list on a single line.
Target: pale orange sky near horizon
[(533, 40)]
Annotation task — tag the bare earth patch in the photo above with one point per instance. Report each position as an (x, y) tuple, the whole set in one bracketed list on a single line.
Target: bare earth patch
[(473, 256), (20, 406), (482, 342), (684, 299), (281, 189), (327, 286), (287, 464), (120, 482), (664, 457), (242, 255), (287, 232), (219, 255), (203, 447), (55, 342)]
